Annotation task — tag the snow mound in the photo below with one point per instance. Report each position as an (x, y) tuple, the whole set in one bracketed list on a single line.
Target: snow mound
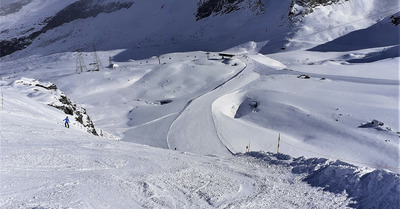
[(368, 188)]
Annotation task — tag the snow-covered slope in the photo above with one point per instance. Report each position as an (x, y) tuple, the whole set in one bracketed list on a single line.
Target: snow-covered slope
[(148, 28), (219, 106), (44, 165), (327, 93)]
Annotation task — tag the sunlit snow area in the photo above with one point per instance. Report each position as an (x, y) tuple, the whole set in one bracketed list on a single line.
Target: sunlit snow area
[(310, 121)]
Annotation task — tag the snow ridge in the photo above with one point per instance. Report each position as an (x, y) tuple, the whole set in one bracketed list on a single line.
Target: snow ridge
[(367, 188)]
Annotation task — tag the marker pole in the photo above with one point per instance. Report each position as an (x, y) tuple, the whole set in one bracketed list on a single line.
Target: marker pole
[(279, 140)]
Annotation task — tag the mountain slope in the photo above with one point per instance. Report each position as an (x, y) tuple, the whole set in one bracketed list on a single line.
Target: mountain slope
[(192, 129), (148, 28), (49, 166), (382, 34)]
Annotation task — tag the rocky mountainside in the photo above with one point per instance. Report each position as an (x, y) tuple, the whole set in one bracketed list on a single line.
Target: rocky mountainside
[(148, 28), (83, 9)]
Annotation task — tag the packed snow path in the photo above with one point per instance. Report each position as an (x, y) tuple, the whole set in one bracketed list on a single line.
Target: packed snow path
[(195, 130)]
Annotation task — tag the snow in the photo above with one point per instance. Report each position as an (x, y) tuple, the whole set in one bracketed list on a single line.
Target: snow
[(170, 106), (49, 166), (174, 127)]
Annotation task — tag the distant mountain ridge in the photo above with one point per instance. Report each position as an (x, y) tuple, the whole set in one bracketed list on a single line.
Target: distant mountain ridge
[(153, 27)]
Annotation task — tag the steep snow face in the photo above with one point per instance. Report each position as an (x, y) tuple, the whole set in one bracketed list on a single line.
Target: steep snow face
[(382, 34), (315, 24), (326, 23), (77, 10)]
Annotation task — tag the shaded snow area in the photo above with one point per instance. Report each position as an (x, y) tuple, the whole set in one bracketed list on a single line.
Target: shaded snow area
[(366, 188)]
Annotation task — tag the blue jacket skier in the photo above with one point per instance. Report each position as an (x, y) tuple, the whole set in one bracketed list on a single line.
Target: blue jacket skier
[(66, 122)]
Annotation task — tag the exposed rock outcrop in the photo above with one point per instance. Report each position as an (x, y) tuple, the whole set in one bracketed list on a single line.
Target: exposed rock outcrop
[(48, 93)]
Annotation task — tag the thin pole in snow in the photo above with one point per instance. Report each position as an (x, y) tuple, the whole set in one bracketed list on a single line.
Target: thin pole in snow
[(159, 61), (279, 140), (2, 101), (248, 147)]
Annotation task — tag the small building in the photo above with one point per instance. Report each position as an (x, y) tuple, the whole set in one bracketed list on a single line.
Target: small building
[(226, 56), (113, 66)]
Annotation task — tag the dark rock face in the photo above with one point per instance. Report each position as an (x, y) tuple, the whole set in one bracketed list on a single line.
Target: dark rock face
[(83, 9), (79, 10), (395, 20), (70, 108), (51, 87), (60, 101), (314, 3), (308, 6), (207, 8)]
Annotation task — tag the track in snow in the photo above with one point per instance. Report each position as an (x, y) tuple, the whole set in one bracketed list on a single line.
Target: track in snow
[(201, 135)]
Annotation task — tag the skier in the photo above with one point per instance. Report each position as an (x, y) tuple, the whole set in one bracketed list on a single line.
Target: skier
[(66, 122)]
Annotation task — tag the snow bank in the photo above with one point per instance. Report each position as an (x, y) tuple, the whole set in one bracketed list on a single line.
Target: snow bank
[(368, 188)]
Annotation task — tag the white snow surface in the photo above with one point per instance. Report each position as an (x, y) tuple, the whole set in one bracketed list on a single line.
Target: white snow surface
[(174, 128), (44, 165), (207, 110)]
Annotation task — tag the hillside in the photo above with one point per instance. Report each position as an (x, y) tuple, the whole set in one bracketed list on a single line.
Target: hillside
[(48, 166), (173, 124), (148, 28)]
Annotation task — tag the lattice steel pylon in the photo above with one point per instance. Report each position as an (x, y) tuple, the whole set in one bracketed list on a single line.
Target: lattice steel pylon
[(97, 64), (80, 64)]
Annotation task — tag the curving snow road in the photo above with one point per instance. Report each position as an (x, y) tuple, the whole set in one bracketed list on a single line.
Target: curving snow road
[(195, 129)]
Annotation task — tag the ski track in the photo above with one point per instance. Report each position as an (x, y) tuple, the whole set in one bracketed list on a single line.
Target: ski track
[(205, 100)]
